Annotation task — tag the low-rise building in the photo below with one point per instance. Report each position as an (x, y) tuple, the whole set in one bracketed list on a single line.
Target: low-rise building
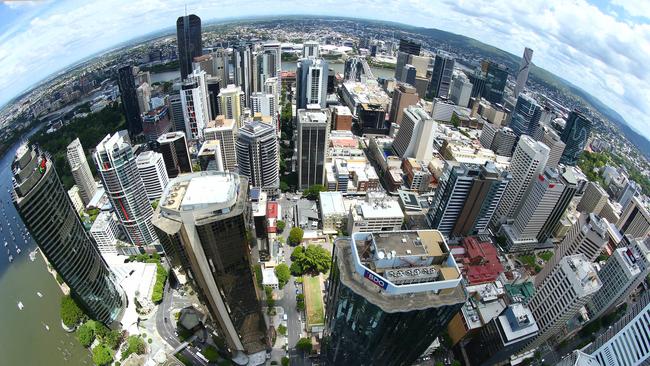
[(377, 212), (332, 211)]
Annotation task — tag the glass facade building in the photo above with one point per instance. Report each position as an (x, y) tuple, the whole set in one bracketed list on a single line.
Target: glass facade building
[(575, 135), (190, 45), (48, 214)]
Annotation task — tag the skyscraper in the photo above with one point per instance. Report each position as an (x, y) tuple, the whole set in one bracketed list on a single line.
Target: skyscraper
[(587, 237), (496, 78), (378, 314), (153, 173), (263, 103), (118, 170), (176, 110), (195, 107), (550, 138), (143, 93), (311, 83), (225, 131), (569, 182), (522, 73), (632, 189), (231, 103), (461, 90), (310, 49), (575, 135), (202, 225), (533, 212), (525, 117), (81, 173), (559, 296), (415, 136), (313, 136), (443, 68), (188, 38), (409, 46), (243, 71), (129, 97), (527, 162), (404, 95), (408, 74), (635, 219), (258, 155), (176, 155), (155, 123), (46, 210), (593, 200)]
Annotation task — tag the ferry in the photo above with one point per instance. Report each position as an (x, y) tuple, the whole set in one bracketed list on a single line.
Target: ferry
[(20, 305), (39, 294), (11, 258)]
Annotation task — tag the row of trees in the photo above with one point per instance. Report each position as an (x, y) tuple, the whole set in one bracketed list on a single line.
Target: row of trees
[(159, 286)]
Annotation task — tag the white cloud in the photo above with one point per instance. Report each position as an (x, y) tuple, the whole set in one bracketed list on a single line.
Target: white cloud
[(594, 50)]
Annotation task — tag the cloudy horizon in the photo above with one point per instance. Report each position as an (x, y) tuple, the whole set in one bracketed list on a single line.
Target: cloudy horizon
[(599, 46)]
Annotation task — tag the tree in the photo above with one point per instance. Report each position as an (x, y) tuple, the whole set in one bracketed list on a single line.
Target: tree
[(159, 286), (311, 260), (280, 225), (284, 186), (71, 313), (295, 236), (283, 274), (282, 330), (113, 339), (102, 355), (134, 344), (304, 345), (285, 361), (313, 193), (86, 334)]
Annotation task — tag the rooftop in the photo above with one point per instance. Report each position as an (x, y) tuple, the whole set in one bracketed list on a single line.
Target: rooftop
[(583, 271), (201, 190), (221, 123), (102, 222), (170, 137), (331, 203)]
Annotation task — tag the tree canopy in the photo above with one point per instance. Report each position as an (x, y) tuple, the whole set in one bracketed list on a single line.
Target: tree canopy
[(134, 344), (280, 225), (311, 260), (304, 345), (313, 192), (71, 313), (295, 236), (102, 355), (86, 334), (283, 274)]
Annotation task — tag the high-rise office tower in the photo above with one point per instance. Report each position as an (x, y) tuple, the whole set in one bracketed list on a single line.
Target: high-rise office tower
[(575, 135), (225, 131), (635, 219), (443, 68), (408, 74), (502, 336), (152, 171), (501, 140), (188, 39), (550, 138), (527, 163), (626, 342), (569, 182), (313, 135), (404, 95), (129, 97), (266, 67), (587, 237), (567, 288), (593, 200), (213, 84), (477, 78), (231, 103), (202, 226), (496, 78), (81, 173), (275, 49), (415, 136), (522, 73), (210, 157), (533, 212), (451, 199), (623, 272), (409, 46), (46, 210), (525, 117), (270, 86), (632, 189), (388, 314), (242, 70), (195, 108), (118, 170), (402, 61), (263, 103), (156, 123), (311, 49), (461, 90), (258, 155), (311, 83), (176, 154), (176, 110), (143, 93)]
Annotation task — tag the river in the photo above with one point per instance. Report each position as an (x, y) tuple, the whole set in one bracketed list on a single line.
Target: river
[(286, 66), (24, 340)]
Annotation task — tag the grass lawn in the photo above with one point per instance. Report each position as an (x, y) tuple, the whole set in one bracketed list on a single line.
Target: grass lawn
[(313, 301)]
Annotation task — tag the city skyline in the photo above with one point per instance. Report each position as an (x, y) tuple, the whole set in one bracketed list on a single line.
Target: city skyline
[(608, 64)]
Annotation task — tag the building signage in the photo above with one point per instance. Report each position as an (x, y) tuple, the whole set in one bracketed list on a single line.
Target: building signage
[(375, 279)]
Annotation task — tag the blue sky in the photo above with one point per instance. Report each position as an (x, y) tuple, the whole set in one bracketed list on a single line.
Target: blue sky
[(600, 46)]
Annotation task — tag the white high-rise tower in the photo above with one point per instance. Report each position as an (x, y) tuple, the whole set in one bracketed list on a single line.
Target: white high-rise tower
[(81, 173), (522, 73)]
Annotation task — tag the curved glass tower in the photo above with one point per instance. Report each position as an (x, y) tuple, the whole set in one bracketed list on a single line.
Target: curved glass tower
[(46, 210)]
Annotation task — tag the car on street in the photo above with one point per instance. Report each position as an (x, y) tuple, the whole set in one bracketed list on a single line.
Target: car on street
[(284, 317)]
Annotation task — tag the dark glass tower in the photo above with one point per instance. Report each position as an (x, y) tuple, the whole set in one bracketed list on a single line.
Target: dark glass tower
[(443, 67), (202, 222), (496, 77), (410, 47), (525, 118), (190, 45), (575, 135), (48, 214), (126, 83), (173, 147), (391, 295)]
